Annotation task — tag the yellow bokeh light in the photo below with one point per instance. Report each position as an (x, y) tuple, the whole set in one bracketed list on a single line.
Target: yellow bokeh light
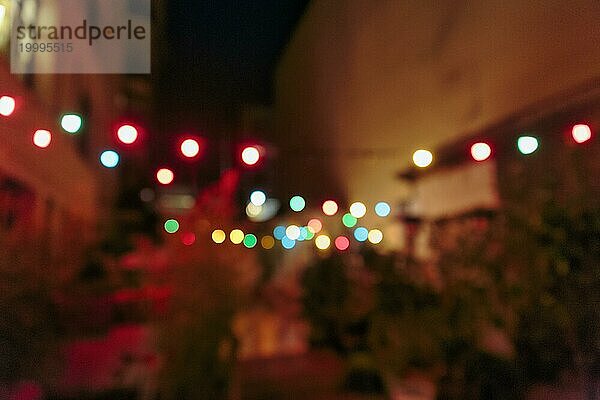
[(252, 210), (165, 176), (322, 242), (267, 242), (330, 207), (422, 158), (375, 236), (236, 236), (218, 236)]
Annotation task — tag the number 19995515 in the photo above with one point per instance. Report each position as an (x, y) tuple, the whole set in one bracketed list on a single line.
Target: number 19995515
[(45, 47)]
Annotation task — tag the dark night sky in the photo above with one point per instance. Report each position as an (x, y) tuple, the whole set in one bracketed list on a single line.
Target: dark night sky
[(222, 53), (214, 57)]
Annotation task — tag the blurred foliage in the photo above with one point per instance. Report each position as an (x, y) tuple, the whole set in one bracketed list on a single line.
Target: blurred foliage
[(326, 290), (408, 326), (412, 319), (559, 326), (480, 296), (508, 299), (208, 288), (552, 203)]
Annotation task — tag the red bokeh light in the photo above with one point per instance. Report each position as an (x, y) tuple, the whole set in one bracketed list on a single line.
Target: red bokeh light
[(7, 105), (481, 151), (42, 138), (127, 133), (188, 238), (581, 133), (251, 155), (342, 243), (190, 147)]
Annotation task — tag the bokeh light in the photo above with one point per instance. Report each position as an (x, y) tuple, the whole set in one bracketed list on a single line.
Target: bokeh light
[(375, 236), (253, 210), (171, 225), (581, 133), (109, 158), (315, 225), (527, 144), (7, 105), (279, 232), (292, 232), (250, 240), (297, 203), (288, 243), (250, 155), (42, 138), (330, 207), (303, 233), (267, 242), (422, 158), (322, 242), (190, 148), (236, 236), (382, 209), (258, 197), (481, 151), (218, 236), (165, 176), (349, 220), (342, 243), (188, 238), (361, 234), (309, 235), (265, 212), (127, 134), (71, 123), (358, 209)]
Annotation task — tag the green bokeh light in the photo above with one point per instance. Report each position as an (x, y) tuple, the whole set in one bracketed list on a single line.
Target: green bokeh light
[(171, 226), (250, 240), (349, 220), (71, 123)]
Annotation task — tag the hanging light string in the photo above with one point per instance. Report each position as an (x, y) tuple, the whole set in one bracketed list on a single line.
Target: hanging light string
[(251, 156)]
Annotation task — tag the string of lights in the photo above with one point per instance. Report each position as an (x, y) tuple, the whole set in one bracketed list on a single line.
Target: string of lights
[(289, 236), (251, 155), (260, 208)]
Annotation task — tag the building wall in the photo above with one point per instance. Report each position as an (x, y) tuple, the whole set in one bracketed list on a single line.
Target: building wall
[(66, 178), (71, 194), (365, 83), (58, 171)]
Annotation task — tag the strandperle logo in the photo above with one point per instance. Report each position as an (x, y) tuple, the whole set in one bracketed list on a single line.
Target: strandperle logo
[(80, 36), (89, 33)]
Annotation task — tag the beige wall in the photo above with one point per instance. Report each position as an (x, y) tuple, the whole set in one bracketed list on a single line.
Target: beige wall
[(57, 172), (392, 76)]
